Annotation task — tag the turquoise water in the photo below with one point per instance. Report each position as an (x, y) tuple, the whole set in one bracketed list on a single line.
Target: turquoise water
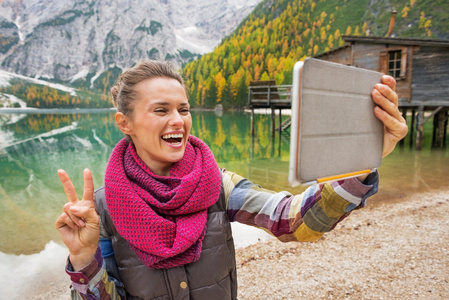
[(34, 146)]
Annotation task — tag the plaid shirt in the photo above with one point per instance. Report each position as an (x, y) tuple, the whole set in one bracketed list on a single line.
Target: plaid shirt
[(303, 217)]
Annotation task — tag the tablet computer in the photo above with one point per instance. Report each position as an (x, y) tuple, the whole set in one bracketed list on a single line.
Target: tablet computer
[(334, 133)]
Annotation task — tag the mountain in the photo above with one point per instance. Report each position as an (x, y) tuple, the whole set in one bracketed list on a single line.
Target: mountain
[(78, 40), (267, 43), (87, 43)]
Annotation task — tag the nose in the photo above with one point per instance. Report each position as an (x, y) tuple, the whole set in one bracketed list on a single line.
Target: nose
[(176, 119)]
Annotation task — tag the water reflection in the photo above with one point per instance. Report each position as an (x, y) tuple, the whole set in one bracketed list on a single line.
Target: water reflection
[(406, 172), (34, 146)]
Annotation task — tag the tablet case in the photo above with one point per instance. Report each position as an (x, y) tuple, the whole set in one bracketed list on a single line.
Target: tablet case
[(334, 133)]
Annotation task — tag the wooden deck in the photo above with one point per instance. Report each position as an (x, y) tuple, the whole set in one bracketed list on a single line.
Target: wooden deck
[(268, 95)]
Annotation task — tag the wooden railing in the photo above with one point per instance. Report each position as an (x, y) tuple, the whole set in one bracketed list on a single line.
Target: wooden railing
[(266, 94)]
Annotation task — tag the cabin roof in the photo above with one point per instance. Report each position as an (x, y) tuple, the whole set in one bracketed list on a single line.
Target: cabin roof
[(385, 40), (396, 41), (332, 50)]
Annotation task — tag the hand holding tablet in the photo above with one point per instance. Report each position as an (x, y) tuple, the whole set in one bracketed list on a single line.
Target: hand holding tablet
[(334, 132)]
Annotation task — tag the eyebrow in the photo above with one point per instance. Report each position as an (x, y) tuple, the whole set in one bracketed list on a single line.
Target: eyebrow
[(167, 104)]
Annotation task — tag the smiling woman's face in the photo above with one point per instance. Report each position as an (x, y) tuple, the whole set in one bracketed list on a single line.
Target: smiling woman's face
[(160, 123)]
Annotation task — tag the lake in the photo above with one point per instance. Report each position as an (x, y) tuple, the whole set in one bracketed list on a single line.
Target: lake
[(34, 146)]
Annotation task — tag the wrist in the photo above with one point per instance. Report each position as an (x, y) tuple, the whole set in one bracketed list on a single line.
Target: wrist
[(82, 259), (362, 178)]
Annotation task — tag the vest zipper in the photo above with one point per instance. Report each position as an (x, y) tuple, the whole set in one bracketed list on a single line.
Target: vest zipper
[(167, 283)]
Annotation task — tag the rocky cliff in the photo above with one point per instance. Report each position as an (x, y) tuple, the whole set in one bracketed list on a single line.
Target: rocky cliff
[(68, 40)]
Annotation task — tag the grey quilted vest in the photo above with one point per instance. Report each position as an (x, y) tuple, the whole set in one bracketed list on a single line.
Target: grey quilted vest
[(213, 276)]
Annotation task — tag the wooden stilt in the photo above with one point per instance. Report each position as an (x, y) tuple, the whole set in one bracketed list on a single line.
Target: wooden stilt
[(252, 121), (279, 146), (273, 121), (404, 114), (445, 129), (412, 128), (420, 128), (280, 122), (252, 147), (435, 130), (435, 117), (440, 131)]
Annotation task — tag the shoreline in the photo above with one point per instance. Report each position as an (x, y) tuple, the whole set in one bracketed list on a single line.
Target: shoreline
[(394, 250), (31, 110)]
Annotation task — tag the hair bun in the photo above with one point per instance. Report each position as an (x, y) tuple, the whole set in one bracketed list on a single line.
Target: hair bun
[(114, 92)]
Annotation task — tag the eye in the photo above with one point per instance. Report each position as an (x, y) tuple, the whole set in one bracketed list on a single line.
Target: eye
[(160, 110), (184, 111)]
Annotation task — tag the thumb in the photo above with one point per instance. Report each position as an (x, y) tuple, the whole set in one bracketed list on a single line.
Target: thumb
[(87, 213)]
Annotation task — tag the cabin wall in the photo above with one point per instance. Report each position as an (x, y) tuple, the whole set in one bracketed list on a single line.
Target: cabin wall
[(430, 74), (342, 56), (367, 56)]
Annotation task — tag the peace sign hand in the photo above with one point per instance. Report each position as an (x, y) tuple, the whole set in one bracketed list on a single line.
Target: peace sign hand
[(79, 225)]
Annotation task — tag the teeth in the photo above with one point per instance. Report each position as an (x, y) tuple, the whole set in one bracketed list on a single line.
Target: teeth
[(173, 136)]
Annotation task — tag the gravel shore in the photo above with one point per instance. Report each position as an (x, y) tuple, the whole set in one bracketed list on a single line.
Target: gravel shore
[(390, 251), (385, 251)]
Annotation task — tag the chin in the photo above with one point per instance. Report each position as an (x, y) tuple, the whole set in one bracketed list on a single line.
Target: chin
[(175, 158)]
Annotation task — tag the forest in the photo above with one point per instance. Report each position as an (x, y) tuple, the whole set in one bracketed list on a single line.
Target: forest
[(42, 96), (277, 34)]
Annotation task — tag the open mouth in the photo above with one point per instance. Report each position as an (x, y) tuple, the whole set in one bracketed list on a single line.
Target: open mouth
[(173, 139)]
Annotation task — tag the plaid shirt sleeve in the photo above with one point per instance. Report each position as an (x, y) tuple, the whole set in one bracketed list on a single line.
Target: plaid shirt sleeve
[(92, 282), (303, 217)]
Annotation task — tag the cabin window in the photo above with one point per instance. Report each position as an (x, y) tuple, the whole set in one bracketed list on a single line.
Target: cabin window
[(394, 62)]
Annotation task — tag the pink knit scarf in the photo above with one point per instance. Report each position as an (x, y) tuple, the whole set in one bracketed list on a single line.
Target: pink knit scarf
[(162, 217)]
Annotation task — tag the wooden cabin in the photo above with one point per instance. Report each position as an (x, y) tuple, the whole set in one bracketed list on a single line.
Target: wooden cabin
[(421, 69)]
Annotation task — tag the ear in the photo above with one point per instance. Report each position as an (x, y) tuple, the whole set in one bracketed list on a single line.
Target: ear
[(123, 123)]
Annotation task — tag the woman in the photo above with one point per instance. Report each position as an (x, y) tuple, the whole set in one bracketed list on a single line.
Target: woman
[(163, 225)]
